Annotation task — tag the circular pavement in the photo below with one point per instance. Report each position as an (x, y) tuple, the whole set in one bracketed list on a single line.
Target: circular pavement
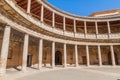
[(76, 74)]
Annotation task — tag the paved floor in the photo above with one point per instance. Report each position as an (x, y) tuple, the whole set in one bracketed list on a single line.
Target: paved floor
[(92, 73)]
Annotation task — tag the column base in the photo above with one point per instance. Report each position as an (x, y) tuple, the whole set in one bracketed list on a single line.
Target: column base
[(2, 72), (24, 70)]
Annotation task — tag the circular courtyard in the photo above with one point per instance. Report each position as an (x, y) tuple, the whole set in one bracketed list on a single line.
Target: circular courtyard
[(91, 73)]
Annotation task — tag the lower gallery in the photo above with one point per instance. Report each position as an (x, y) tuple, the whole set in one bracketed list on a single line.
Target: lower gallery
[(26, 40)]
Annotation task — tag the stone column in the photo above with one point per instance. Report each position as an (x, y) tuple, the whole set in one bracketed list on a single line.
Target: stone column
[(4, 50), (99, 56), (65, 56), (64, 24), (96, 27), (87, 55), (25, 52), (53, 54), (112, 55), (109, 31), (74, 26), (40, 53), (85, 28), (28, 6), (53, 19), (76, 56), (42, 13)]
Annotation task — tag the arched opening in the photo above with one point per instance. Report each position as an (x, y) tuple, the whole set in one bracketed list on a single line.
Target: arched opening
[(110, 58), (58, 58)]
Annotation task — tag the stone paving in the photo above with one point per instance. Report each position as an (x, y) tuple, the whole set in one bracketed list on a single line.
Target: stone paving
[(70, 73)]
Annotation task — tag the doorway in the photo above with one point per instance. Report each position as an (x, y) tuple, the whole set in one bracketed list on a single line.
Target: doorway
[(29, 60), (58, 58)]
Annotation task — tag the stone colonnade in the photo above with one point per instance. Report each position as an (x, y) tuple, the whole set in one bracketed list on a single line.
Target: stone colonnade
[(5, 48)]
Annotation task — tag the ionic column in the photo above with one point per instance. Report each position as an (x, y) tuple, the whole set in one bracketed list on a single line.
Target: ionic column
[(53, 54), (87, 55), (99, 56), (108, 24), (28, 6), (25, 52), (109, 31), (42, 13), (74, 26), (40, 53), (65, 56), (64, 24), (112, 55), (4, 50), (96, 26), (76, 56), (85, 28), (53, 19)]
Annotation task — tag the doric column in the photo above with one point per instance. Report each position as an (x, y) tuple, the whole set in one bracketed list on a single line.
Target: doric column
[(53, 19), (42, 13), (85, 28), (4, 50), (112, 55), (76, 56), (25, 52), (74, 26), (87, 55), (64, 24), (96, 27), (40, 53), (28, 6), (99, 56), (65, 56), (53, 54)]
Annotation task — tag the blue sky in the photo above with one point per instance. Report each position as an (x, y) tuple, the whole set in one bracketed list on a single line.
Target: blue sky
[(85, 7)]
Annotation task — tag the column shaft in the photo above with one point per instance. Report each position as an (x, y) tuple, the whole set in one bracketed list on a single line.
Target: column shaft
[(25, 52), (28, 6), (40, 53), (53, 54), (85, 28), (42, 13), (76, 55), (99, 56), (53, 19), (108, 24), (65, 56), (112, 55), (96, 26), (64, 23), (87, 55), (74, 26), (4, 50)]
